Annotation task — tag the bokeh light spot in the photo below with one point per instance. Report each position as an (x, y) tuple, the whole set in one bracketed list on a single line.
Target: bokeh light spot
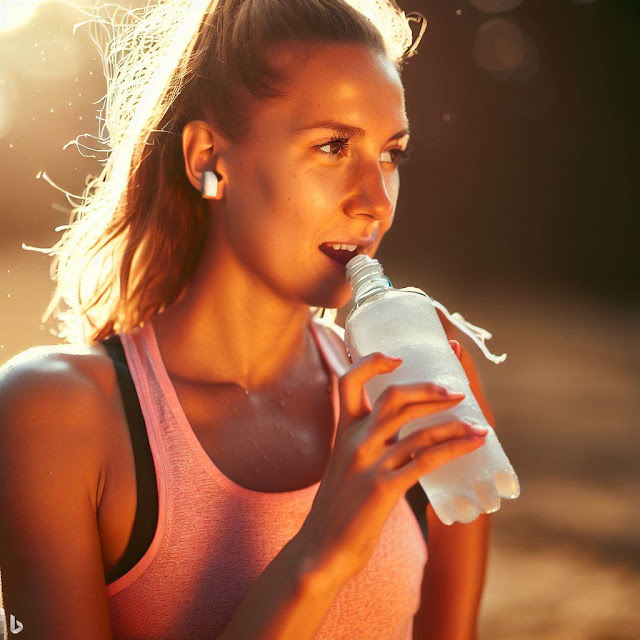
[(495, 6), (58, 56), (499, 46)]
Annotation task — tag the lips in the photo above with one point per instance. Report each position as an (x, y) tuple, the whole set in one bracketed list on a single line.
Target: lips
[(341, 256)]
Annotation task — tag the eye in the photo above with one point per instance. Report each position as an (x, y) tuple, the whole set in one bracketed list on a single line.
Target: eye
[(338, 146), (399, 156), (341, 142)]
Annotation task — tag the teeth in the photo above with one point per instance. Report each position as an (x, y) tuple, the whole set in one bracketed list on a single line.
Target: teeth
[(345, 247)]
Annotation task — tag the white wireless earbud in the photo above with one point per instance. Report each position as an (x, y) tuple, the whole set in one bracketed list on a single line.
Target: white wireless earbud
[(210, 185)]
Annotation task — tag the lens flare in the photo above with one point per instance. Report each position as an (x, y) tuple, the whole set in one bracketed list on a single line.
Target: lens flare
[(16, 13)]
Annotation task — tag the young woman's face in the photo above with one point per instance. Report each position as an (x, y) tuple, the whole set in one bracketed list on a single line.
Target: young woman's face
[(290, 188)]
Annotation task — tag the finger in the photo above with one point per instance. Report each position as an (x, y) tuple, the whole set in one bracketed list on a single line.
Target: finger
[(428, 459), (353, 403), (396, 396), (455, 345), (406, 448), (386, 430)]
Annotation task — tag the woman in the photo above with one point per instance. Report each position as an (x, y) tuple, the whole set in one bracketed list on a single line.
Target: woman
[(228, 477)]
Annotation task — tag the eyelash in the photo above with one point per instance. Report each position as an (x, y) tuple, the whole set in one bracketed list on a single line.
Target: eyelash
[(402, 155)]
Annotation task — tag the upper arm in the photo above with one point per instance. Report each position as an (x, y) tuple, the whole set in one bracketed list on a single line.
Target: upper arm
[(455, 572), (50, 469)]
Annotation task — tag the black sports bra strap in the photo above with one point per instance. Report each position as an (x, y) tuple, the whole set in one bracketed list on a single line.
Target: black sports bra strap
[(147, 491), (418, 501), (132, 409), (415, 496)]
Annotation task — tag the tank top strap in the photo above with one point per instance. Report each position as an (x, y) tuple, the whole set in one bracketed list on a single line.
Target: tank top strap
[(135, 345), (138, 346), (330, 337)]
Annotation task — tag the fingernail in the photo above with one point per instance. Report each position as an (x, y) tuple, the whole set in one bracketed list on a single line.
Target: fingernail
[(478, 430), (448, 393)]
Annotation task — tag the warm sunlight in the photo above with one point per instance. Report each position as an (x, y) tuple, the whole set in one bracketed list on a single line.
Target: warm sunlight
[(15, 13)]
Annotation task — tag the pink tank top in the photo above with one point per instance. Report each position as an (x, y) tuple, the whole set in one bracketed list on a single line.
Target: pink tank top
[(214, 537)]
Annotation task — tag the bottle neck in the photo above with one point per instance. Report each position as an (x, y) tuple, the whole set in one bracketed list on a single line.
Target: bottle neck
[(366, 277)]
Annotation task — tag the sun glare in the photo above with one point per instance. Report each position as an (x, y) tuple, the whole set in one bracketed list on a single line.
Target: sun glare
[(16, 13)]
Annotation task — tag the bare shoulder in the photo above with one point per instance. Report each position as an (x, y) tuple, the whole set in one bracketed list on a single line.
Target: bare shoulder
[(54, 420), (55, 400), (63, 363), (57, 375), (54, 371)]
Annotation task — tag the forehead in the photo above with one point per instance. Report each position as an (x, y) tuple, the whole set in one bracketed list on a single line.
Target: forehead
[(344, 82)]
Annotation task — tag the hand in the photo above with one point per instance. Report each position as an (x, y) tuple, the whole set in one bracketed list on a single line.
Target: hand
[(368, 471)]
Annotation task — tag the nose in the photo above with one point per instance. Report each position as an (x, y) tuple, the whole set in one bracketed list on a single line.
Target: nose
[(371, 196)]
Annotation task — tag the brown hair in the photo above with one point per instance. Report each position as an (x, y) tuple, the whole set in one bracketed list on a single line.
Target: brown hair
[(148, 244)]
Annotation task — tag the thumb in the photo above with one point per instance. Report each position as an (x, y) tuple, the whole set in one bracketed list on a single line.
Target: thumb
[(354, 402)]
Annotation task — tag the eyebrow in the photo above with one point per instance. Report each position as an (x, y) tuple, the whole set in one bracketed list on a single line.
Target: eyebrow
[(355, 132)]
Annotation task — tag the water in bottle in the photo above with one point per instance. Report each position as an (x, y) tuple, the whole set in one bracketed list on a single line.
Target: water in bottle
[(404, 323)]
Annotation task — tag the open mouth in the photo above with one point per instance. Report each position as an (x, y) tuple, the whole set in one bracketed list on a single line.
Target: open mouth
[(341, 256)]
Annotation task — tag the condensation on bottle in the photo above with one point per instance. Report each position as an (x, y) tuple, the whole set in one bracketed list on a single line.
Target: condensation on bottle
[(404, 323)]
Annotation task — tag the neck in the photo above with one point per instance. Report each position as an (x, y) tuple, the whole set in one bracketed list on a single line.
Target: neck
[(230, 327)]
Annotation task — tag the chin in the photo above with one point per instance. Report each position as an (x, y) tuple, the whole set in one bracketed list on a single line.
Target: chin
[(329, 289), (336, 299)]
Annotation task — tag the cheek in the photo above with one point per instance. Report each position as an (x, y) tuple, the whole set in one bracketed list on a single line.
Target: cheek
[(266, 226), (253, 203)]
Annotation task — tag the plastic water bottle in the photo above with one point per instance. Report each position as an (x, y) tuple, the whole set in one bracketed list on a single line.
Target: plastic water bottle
[(404, 323)]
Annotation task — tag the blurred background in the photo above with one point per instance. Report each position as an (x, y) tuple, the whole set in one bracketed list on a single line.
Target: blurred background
[(515, 211)]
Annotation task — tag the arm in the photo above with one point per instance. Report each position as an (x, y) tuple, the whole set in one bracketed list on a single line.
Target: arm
[(290, 599), (50, 459), (455, 571), (53, 423)]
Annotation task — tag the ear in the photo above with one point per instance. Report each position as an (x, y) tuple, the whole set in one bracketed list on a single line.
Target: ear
[(201, 146)]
